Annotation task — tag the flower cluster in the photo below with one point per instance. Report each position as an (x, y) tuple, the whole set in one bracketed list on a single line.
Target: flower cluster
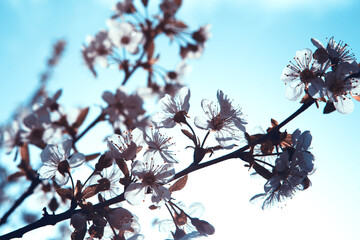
[(129, 42), (291, 170), (140, 163), (330, 74)]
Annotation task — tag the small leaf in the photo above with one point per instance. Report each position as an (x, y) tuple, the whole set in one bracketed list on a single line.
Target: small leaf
[(122, 165), (150, 50), (53, 204), (356, 97), (24, 153), (79, 234), (90, 191), (188, 134), (80, 119), (329, 107), (104, 162), (91, 156), (274, 123), (179, 184), (15, 176), (64, 193), (78, 189), (180, 24), (153, 207)]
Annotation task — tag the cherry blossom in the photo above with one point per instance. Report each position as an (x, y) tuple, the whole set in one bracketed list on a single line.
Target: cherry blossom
[(56, 161), (203, 34), (341, 86), (159, 145), (123, 108), (124, 35), (126, 145), (124, 7), (336, 52), (98, 50), (223, 119), (149, 177), (303, 75), (108, 181), (291, 170), (175, 109)]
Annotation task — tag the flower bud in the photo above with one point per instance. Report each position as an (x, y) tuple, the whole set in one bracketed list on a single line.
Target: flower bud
[(202, 226), (78, 220)]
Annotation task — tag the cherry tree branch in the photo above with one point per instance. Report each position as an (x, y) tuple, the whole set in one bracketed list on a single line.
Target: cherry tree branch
[(240, 153), (53, 219), (35, 182)]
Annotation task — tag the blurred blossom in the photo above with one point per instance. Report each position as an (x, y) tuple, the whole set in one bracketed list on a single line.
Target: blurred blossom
[(124, 35)]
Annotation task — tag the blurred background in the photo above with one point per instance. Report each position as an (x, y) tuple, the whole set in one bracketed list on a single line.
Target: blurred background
[(251, 43)]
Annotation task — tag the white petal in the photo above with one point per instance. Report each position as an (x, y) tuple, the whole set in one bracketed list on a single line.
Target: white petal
[(202, 123), (184, 96), (135, 193), (294, 92), (76, 160), (344, 105), (47, 172), (61, 179)]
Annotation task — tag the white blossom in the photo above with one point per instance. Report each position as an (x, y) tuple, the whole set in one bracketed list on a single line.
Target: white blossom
[(291, 170), (124, 35), (149, 177), (56, 161), (340, 86), (223, 119), (175, 109), (303, 74), (159, 146)]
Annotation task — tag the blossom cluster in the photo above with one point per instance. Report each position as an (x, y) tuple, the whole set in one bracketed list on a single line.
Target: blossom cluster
[(129, 43), (329, 74), (140, 163)]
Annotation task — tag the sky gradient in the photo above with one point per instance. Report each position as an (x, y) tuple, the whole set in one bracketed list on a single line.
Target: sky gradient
[(252, 42)]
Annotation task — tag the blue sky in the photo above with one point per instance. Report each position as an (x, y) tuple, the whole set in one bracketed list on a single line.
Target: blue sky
[(252, 41)]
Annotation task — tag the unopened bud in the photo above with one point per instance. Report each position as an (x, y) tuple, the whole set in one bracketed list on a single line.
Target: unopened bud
[(202, 226), (78, 220)]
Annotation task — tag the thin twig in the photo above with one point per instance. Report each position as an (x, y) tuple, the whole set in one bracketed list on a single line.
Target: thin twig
[(34, 183)]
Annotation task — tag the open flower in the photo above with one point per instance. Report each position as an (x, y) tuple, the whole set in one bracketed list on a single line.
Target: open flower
[(149, 178), (175, 109), (291, 170), (124, 35), (123, 108), (223, 119), (56, 161), (159, 146), (303, 74), (126, 145), (125, 222), (336, 52), (98, 50), (340, 86)]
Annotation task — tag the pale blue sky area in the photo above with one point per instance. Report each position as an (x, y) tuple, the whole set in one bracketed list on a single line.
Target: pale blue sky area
[(252, 42)]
